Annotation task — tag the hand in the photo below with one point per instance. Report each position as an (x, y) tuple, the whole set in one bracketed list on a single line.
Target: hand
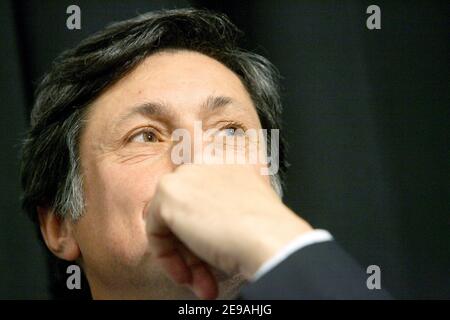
[(221, 216)]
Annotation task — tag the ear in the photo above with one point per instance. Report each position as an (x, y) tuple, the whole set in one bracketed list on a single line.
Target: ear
[(58, 234)]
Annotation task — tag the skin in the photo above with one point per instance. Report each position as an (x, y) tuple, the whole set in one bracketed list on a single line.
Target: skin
[(152, 229)]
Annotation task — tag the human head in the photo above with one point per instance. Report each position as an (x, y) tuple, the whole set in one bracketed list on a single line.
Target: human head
[(54, 176)]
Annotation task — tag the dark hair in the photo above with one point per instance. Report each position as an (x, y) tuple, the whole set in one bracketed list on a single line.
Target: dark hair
[(50, 167)]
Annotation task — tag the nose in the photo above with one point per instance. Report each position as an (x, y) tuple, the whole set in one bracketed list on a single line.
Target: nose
[(188, 144)]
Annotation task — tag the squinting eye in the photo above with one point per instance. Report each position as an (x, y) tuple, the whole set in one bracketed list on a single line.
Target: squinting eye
[(144, 136), (228, 131), (231, 131)]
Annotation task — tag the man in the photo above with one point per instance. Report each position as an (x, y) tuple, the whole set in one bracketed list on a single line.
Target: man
[(100, 179)]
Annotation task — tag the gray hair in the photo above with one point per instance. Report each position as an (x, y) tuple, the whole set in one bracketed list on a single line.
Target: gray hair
[(50, 167)]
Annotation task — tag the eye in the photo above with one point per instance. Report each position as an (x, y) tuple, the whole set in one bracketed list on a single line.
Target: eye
[(228, 131), (145, 136), (232, 130)]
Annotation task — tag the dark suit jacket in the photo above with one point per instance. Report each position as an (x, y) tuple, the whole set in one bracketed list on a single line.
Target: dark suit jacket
[(318, 271)]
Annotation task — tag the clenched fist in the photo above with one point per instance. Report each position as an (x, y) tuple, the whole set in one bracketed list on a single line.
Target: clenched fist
[(222, 216)]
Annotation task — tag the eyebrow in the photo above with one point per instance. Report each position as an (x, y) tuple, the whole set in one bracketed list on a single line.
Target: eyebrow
[(154, 109), (148, 110), (213, 103)]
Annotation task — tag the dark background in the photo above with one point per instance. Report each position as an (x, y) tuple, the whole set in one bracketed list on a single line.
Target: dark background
[(366, 115)]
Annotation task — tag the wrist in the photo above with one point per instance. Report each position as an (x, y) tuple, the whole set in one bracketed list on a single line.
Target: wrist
[(267, 244)]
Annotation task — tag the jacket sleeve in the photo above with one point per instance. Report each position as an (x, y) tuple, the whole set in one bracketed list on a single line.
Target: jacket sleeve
[(318, 271)]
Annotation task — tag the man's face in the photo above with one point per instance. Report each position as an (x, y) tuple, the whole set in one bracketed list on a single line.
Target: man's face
[(125, 149)]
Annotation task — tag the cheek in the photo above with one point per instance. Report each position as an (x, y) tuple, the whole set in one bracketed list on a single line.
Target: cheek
[(112, 229)]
